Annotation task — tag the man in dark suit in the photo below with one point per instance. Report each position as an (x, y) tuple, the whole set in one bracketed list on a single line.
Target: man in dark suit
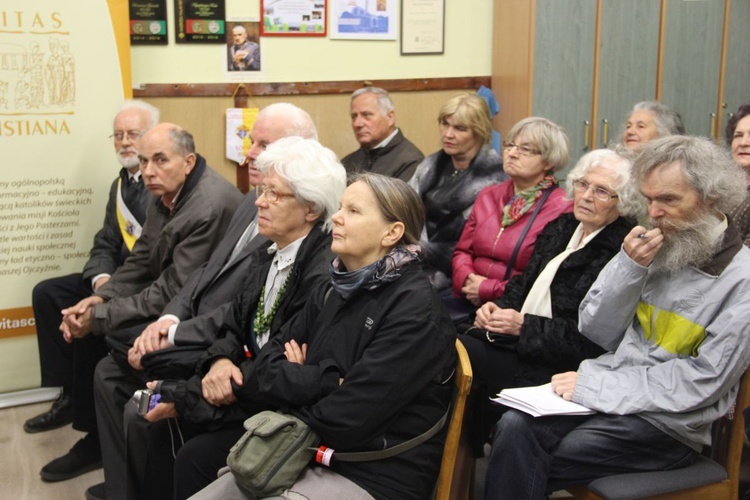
[(125, 214), (194, 316)]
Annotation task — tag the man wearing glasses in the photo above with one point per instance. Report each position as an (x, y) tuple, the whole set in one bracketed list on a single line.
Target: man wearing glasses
[(125, 213), (195, 315)]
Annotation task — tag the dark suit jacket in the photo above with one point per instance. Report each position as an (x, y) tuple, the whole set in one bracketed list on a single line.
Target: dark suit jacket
[(204, 301)]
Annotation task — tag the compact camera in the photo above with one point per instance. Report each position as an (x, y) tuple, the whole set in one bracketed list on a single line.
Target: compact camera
[(145, 400)]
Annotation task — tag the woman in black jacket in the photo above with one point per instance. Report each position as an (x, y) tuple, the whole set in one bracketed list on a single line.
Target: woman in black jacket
[(531, 332), (366, 366)]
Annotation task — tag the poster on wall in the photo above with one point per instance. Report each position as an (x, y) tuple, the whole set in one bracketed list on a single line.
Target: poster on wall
[(293, 18), (197, 21), (61, 82), (148, 22), (364, 19)]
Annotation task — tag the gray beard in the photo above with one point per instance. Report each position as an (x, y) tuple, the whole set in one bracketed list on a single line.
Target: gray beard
[(686, 244)]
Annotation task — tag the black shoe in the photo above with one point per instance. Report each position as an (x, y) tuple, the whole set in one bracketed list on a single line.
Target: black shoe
[(60, 414), (83, 457), (96, 492)]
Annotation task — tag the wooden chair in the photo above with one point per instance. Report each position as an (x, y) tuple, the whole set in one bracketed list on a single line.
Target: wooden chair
[(449, 485), (716, 477)]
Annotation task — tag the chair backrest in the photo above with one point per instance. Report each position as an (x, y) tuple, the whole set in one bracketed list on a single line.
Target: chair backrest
[(729, 438), (462, 378)]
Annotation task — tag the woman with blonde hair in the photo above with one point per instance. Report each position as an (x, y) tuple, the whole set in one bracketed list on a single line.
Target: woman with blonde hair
[(449, 180)]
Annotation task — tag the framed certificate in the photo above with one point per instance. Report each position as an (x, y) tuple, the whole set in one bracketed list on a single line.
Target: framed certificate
[(422, 27)]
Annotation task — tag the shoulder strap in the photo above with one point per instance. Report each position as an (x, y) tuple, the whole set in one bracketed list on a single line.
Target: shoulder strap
[(513, 256), (366, 456)]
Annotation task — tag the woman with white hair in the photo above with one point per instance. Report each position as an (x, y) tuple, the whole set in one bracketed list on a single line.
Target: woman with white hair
[(531, 332), (301, 190), (650, 120)]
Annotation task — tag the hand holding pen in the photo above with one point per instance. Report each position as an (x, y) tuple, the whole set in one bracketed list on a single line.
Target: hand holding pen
[(642, 245)]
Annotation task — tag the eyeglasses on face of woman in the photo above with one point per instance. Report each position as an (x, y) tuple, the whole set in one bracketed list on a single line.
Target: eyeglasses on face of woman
[(600, 194), (272, 196), (523, 149)]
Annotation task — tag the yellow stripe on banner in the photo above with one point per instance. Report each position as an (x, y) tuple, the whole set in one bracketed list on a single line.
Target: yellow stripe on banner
[(119, 15), (17, 322), (670, 331)]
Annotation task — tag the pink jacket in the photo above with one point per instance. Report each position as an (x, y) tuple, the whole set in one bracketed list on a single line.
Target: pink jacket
[(485, 250)]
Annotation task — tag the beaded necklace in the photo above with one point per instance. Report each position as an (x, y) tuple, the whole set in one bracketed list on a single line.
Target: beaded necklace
[(262, 322)]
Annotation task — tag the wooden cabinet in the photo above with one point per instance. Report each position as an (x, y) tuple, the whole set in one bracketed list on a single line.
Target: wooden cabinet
[(692, 62), (735, 88), (585, 63)]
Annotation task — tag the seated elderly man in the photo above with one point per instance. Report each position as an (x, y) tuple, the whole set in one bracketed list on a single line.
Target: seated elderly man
[(300, 191), (384, 149), (673, 307), (185, 219), (193, 317)]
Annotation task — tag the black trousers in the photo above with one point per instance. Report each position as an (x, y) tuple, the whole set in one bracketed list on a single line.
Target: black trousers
[(62, 364)]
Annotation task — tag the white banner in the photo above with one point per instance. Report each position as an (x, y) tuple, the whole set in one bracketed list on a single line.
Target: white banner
[(60, 85)]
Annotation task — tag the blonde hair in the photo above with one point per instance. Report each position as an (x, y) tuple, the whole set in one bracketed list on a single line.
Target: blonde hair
[(471, 111)]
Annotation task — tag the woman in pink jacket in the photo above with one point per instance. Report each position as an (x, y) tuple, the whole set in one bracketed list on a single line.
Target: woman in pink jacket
[(499, 236)]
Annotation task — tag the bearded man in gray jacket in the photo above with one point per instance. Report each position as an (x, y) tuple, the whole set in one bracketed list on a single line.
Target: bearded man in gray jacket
[(673, 309)]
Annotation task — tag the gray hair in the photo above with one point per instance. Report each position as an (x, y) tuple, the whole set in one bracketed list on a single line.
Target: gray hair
[(667, 120), (708, 168), (312, 171), (240, 27), (547, 137), (628, 203), (153, 111), (182, 141), (298, 122), (384, 100)]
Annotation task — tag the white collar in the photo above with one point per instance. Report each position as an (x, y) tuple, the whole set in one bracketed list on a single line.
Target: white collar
[(286, 256), (387, 140)]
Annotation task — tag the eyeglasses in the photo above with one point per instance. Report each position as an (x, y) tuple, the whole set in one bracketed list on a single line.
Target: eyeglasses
[(600, 194), (523, 149), (130, 134), (271, 194)]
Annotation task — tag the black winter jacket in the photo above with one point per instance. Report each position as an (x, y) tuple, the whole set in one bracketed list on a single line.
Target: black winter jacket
[(552, 345), (310, 273), (394, 348)]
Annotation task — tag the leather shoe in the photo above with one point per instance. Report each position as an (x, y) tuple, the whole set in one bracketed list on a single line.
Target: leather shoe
[(83, 457), (59, 415), (96, 492)]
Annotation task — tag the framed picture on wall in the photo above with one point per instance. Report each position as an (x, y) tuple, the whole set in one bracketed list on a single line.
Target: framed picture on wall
[(364, 19), (293, 18), (422, 27)]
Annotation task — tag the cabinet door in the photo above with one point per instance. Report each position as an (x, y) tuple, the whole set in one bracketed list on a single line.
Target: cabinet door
[(628, 50), (564, 66), (737, 69), (692, 52)]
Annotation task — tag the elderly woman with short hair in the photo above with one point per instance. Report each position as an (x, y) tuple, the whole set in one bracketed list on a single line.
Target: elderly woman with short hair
[(650, 120), (450, 180), (498, 237), (369, 365), (300, 191), (537, 317)]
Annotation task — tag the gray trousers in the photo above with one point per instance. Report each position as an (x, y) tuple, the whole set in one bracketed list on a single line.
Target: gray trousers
[(315, 483), (124, 446)]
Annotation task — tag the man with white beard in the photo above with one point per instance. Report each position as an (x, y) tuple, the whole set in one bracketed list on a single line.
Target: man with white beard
[(125, 213), (673, 309)]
